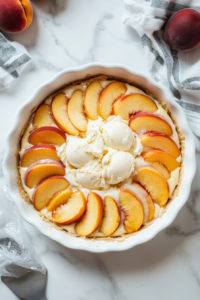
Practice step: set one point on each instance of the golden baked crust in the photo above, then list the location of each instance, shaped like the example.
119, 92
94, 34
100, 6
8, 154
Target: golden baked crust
89, 78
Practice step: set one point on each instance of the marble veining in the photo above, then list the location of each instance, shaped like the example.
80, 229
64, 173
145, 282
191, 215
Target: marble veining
192, 225
68, 33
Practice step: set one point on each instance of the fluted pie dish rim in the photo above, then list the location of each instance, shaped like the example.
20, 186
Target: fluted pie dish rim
96, 245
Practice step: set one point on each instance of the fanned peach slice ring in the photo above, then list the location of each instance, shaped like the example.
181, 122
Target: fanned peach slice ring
161, 157
145, 121
39, 171
47, 135
47, 189
92, 217
60, 115
72, 209
43, 117
146, 200
154, 183
100, 158
161, 142
111, 218
109, 95
38, 152
76, 112
162, 169
59, 199
128, 105
92, 95
132, 209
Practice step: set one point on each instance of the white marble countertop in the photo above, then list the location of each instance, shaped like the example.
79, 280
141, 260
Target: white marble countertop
68, 33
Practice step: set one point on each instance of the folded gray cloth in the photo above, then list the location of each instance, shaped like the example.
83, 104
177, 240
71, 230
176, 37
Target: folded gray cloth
13, 60
179, 71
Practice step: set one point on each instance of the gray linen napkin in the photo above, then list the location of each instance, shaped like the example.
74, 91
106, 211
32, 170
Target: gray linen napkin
180, 72
13, 60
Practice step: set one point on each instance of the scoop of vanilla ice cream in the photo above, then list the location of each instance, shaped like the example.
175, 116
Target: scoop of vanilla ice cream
76, 152
90, 176
100, 160
117, 166
94, 138
118, 135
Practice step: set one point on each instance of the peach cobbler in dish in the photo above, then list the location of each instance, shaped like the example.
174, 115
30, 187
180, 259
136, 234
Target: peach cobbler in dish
100, 158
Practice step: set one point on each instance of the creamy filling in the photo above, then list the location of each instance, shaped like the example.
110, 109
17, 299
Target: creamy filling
96, 169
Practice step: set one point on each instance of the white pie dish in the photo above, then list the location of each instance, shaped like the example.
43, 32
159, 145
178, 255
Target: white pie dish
62, 78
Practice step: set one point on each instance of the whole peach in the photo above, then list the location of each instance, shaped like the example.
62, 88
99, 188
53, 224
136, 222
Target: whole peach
182, 31
15, 15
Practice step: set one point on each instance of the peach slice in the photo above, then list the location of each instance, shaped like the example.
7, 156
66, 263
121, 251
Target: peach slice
161, 169
60, 115
91, 99
76, 111
161, 142
15, 15
111, 217
132, 209
59, 199
92, 217
145, 199
162, 157
38, 152
130, 104
145, 121
71, 211
111, 93
47, 189
47, 135
39, 171
154, 183
43, 117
